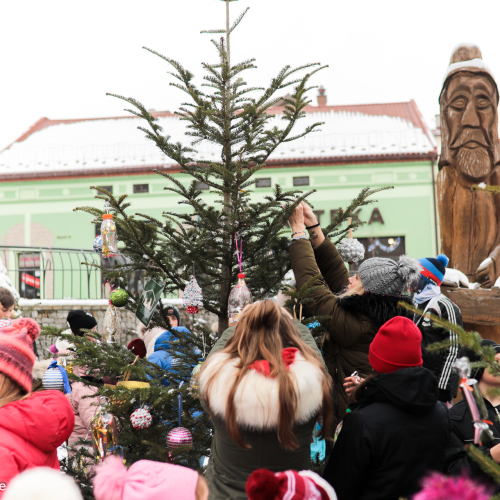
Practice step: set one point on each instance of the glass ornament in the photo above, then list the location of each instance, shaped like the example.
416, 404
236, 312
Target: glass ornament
108, 233
239, 298
103, 428
119, 297
180, 436
97, 246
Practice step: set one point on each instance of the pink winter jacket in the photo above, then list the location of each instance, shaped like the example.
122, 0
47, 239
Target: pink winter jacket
84, 408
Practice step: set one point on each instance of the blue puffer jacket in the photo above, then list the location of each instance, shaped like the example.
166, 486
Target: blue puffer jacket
162, 355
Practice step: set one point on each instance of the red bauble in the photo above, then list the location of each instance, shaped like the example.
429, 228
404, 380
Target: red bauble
192, 310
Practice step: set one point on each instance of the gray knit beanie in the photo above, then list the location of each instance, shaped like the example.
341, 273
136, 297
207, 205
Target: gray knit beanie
386, 276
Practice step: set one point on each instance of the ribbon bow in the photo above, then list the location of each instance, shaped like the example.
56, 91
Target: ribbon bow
67, 386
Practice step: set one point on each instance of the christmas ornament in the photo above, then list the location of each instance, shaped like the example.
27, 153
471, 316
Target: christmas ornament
108, 233
193, 383
192, 297
103, 428
179, 436
141, 418
98, 244
239, 298
351, 250
149, 300
5, 322
475, 402
137, 347
56, 378
119, 297
111, 327
240, 295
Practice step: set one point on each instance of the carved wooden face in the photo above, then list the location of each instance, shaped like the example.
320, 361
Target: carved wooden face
470, 115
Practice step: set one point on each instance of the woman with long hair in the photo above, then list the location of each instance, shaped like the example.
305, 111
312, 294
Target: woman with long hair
265, 391
32, 425
357, 306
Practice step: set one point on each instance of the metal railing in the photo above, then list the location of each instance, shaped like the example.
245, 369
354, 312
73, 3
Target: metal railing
53, 273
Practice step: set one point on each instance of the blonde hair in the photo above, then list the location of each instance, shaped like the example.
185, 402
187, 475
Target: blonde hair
9, 391
262, 332
357, 289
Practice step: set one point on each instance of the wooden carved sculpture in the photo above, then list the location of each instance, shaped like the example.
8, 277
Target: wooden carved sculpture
469, 219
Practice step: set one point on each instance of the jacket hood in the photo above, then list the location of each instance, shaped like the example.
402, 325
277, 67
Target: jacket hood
378, 308
163, 341
412, 389
45, 419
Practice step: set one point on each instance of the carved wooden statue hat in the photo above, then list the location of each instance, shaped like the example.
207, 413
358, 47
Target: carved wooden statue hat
467, 58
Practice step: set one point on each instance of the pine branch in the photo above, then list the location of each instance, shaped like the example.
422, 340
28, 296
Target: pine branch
487, 465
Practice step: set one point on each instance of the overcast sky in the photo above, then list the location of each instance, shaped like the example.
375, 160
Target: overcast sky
60, 57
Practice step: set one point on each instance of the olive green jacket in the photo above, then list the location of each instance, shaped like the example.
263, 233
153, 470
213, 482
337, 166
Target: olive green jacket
349, 333
230, 465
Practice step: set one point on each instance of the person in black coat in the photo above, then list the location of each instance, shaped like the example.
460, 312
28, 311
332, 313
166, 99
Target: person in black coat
398, 431
457, 460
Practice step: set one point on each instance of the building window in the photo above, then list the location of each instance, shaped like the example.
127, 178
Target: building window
391, 247
202, 185
301, 181
29, 275
263, 183
141, 188
109, 189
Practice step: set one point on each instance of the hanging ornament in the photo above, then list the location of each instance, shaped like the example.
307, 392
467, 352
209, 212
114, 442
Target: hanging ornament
108, 233
192, 297
98, 244
351, 249
180, 436
56, 378
111, 327
240, 295
141, 418
475, 402
193, 383
103, 427
119, 297
5, 322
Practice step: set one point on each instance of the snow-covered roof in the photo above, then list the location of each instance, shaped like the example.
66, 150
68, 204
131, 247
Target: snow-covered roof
114, 145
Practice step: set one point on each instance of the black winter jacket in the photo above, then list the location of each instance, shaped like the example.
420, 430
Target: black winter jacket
396, 434
441, 362
457, 459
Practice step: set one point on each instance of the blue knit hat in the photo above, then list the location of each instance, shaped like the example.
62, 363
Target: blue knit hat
433, 269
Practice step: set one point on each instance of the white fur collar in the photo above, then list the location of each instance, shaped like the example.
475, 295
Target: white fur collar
257, 400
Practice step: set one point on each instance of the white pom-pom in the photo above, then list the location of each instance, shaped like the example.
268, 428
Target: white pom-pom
141, 418
351, 250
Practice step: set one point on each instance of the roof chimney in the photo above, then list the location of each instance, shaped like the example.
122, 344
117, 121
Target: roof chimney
321, 97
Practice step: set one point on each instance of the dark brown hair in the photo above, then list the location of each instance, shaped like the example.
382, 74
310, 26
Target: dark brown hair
6, 298
262, 332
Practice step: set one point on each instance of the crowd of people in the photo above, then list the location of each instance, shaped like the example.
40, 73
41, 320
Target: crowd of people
380, 400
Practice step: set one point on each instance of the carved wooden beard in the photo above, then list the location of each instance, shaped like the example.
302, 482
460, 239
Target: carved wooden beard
473, 163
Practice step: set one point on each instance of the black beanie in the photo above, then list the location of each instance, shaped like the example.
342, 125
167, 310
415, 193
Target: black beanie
173, 311
80, 319
477, 373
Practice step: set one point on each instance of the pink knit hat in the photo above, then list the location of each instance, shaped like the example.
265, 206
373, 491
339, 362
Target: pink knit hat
16, 351
145, 480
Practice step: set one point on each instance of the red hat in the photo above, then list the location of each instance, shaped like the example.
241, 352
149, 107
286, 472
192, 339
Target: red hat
137, 347
264, 484
16, 351
397, 345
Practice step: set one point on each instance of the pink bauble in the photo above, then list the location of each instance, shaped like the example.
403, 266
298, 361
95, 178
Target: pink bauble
179, 437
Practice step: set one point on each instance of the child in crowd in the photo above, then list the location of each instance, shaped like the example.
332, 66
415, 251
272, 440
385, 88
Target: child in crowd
463, 426
430, 299
397, 431
7, 303
265, 391
42, 483
147, 480
32, 426
264, 484
82, 402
